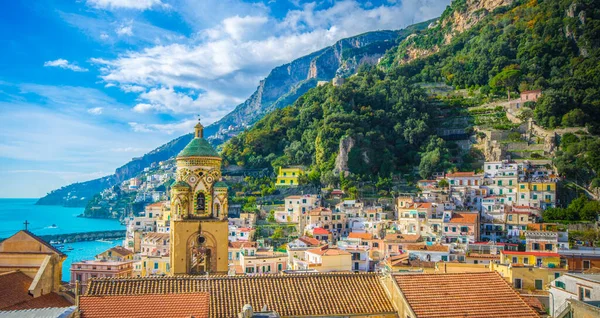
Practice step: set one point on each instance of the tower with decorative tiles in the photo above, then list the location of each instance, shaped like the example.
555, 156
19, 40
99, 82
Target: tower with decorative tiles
199, 227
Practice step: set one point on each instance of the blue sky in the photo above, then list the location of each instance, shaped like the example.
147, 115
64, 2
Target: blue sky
85, 85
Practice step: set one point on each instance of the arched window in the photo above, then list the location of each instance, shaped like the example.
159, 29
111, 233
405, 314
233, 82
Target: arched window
200, 203
217, 212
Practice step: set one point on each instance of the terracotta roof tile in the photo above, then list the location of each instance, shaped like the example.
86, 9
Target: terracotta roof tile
322, 294
310, 241
473, 295
464, 218
121, 250
430, 248
403, 238
461, 174
326, 251
547, 254
364, 236
146, 306
321, 231
14, 294
240, 244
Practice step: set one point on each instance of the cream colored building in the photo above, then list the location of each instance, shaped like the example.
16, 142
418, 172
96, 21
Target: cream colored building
325, 259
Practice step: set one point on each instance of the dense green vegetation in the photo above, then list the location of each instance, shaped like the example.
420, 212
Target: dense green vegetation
580, 209
550, 45
578, 158
387, 117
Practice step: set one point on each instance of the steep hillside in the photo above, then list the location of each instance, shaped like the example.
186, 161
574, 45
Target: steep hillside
287, 82
551, 45
78, 194
280, 88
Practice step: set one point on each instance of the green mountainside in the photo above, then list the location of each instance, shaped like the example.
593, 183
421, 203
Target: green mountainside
441, 83
280, 88
381, 122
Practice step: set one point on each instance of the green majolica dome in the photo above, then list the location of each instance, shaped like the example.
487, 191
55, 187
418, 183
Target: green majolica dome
220, 184
198, 147
180, 184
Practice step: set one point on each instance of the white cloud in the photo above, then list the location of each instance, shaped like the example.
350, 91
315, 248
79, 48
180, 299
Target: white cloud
227, 60
132, 88
182, 127
104, 36
125, 30
62, 63
125, 4
95, 111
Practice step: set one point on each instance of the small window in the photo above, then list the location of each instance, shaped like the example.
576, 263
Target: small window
518, 283
588, 293
586, 264
515, 260
539, 284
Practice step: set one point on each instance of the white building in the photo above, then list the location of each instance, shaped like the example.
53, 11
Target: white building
582, 287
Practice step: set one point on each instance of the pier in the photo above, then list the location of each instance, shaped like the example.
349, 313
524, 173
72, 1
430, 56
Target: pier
85, 236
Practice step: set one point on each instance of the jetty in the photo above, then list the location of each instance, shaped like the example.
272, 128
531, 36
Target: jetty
85, 236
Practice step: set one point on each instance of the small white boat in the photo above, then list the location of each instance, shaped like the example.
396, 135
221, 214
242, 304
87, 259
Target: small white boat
103, 241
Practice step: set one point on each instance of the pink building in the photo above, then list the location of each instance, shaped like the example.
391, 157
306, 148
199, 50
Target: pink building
462, 228
531, 96
85, 270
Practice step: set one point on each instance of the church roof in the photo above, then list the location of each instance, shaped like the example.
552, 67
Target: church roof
220, 184
198, 147
182, 184
298, 295
14, 294
47, 247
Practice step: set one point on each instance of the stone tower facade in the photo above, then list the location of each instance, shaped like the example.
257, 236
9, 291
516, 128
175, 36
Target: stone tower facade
199, 227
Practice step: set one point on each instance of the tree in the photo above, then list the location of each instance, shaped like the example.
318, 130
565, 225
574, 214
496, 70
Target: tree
507, 79
429, 163
443, 183
590, 211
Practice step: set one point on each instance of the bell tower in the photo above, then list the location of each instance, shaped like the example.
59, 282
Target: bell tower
199, 227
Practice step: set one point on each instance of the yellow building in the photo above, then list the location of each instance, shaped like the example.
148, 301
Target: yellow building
155, 265
288, 176
198, 213
325, 259
32, 256
539, 259
537, 194
528, 278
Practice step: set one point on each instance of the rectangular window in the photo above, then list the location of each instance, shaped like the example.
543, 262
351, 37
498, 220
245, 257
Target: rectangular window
515, 260
518, 283
499, 182
586, 264
588, 293
453, 229
155, 265
559, 284
556, 275
510, 182
279, 267
510, 217
534, 187
525, 260
539, 284
548, 247
522, 186
548, 188
444, 258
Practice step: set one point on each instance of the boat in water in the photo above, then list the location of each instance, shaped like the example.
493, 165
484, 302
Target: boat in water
104, 241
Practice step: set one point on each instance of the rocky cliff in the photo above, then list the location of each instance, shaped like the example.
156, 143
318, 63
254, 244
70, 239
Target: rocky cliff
281, 87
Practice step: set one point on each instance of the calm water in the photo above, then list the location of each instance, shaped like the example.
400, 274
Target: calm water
13, 212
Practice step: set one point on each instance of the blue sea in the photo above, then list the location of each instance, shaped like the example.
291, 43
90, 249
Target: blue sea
41, 218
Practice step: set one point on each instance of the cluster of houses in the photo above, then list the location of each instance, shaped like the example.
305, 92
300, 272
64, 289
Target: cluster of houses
458, 223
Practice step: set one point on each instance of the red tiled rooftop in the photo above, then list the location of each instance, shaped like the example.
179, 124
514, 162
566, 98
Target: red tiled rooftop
321, 231
473, 295
403, 238
146, 306
14, 294
461, 174
364, 236
326, 251
429, 248
310, 241
543, 254
239, 244
464, 218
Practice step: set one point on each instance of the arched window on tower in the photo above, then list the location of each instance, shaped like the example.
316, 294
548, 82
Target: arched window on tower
200, 203
217, 210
